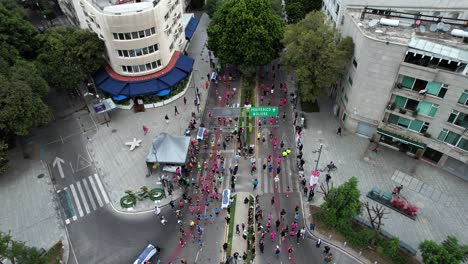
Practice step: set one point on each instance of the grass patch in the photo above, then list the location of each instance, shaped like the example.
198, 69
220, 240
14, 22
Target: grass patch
372, 254
231, 226
54, 255
310, 107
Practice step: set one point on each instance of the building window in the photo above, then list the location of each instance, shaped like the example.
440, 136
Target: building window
453, 139
153, 65
436, 89
463, 98
354, 63
350, 80
458, 119
400, 101
116, 36
138, 52
120, 53
134, 35
426, 108
142, 67
407, 82
158, 62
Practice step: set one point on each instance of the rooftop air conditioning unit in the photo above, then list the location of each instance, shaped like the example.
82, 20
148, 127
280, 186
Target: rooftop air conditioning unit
459, 33
389, 22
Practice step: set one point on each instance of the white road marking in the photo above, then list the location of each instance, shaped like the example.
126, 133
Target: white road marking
67, 221
77, 201
96, 193
90, 196
103, 192
83, 197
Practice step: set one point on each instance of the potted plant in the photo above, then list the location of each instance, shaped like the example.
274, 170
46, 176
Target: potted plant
402, 111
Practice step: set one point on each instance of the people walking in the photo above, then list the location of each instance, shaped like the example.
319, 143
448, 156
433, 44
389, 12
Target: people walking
327, 178
176, 112
167, 119
290, 251
185, 101
318, 243
338, 132
277, 251
254, 183
145, 130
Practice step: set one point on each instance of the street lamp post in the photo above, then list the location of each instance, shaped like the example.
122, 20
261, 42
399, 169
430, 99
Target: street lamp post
318, 159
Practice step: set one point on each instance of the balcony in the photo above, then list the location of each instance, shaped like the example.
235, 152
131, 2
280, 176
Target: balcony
432, 62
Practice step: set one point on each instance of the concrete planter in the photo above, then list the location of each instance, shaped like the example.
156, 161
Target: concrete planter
126, 107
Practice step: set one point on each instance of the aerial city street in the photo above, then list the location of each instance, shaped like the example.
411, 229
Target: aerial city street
233, 131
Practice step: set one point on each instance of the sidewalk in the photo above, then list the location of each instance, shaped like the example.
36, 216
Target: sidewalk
123, 170
439, 195
239, 244
29, 212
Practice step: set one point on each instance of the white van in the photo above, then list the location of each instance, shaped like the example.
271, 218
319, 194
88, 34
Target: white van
146, 255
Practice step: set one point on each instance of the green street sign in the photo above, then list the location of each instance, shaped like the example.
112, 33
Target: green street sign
262, 111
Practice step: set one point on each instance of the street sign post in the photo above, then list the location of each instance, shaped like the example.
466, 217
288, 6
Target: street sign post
263, 111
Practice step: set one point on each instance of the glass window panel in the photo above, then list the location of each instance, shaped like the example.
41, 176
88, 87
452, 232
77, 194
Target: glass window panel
128, 36
452, 138
129, 68
404, 122
120, 53
463, 144
434, 109
125, 53
135, 69
134, 35
151, 49
452, 116
142, 68
148, 66
462, 120
124, 68
131, 53
464, 98
156, 47
153, 30
392, 119
145, 51
442, 135
158, 62
425, 127
121, 36
138, 52
116, 36
141, 33
153, 64
148, 32
433, 88
416, 125
424, 108
400, 101
407, 82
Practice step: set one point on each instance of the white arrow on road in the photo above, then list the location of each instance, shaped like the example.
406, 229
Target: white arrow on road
58, 162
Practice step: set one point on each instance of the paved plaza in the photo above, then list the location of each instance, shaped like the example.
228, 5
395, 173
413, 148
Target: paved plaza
439, 194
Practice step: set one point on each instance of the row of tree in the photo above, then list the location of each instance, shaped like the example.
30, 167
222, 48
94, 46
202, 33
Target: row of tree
32, 63
343, 203
17, 252
249, 33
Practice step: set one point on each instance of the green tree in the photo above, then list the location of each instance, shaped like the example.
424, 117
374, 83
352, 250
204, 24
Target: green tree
3, 161
277, 7
211, 7
317, 54
246, 33
17, 252
298, 9
20, 108
450, 251
197, 4
68, 56
17, 35
27, 72
342, 203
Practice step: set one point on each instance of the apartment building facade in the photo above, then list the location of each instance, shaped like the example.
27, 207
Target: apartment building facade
407, 85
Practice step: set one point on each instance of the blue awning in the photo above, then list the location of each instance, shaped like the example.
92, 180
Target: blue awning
163, 92
184, 63
121, 89
191, 27
119, 97
112, 86
173, 77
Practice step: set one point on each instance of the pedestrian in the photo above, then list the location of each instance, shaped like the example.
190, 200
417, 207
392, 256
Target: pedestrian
399, 188
327, 250
273, 236
272, 201
224, 145
338, 132
296, 216
216, 211
278, 223
225, 246
277, 251
172, 204
318, 243
290, 251
284, 116
264, 166
176, 112
185, 101
212, 219
207, 84
181, 242
228, 219
244, 256
145, 130
298, 235
244, 234
163, 220
288, 190
282, 213
183, 261
237, 229
254, 183
157, 210
270, 168
327, 178
236, 257
167, 119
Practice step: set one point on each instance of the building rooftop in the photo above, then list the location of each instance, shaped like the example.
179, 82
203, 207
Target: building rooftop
434, 33
123, 6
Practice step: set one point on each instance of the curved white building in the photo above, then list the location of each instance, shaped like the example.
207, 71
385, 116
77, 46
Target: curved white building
143, 38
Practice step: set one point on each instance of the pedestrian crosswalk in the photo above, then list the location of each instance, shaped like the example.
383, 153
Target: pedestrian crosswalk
82, 198
265, 179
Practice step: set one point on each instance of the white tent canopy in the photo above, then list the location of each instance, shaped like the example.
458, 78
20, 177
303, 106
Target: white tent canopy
168, 149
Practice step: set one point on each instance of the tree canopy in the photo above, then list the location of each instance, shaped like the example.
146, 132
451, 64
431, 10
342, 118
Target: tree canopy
342, 203
298, 9
246, 33
450, 251
17, 252
317, 53
68, 56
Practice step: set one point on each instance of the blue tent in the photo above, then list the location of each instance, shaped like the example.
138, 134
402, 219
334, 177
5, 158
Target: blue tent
191, 27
